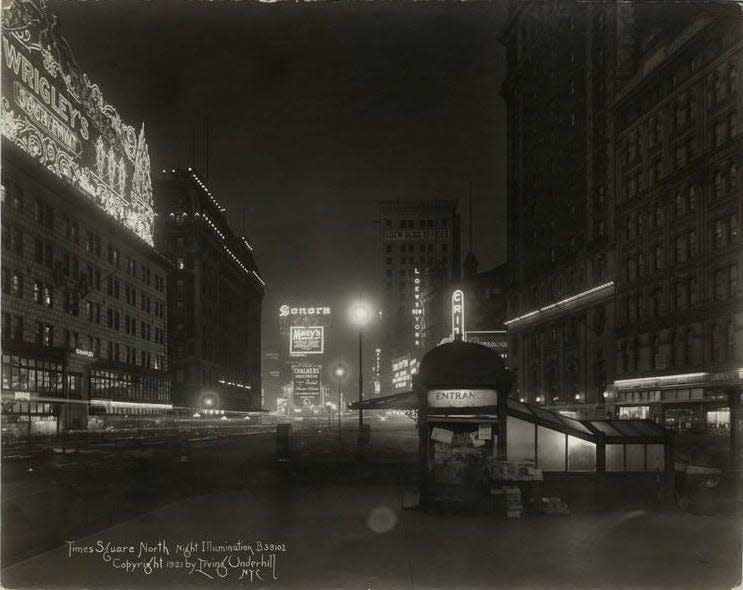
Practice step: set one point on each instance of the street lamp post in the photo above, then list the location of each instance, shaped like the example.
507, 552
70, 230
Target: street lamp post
360, 316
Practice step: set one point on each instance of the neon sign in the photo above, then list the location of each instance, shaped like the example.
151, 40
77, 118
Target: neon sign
417, 309
457, 313
53, 113
285, 311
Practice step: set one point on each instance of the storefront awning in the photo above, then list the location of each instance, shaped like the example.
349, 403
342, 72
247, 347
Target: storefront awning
397, 401
608, 430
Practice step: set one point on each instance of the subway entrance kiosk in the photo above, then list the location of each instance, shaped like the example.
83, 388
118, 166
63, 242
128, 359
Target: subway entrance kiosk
475, 442
460, 388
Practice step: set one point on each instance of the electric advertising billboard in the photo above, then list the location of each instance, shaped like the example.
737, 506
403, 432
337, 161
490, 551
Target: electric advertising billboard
305, 340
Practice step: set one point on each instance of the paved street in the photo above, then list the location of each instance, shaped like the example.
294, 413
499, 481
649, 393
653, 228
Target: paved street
334, 521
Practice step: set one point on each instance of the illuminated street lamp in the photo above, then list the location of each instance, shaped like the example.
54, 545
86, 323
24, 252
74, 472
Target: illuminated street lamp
340, 372
360, 316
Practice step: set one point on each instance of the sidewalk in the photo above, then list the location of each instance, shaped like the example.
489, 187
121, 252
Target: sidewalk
350, 537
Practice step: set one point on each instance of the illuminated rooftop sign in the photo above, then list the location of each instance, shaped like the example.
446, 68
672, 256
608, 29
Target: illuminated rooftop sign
417, 235
285, 311
306, 340
58, 117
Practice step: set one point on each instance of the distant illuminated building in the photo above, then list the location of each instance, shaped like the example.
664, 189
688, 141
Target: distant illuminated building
418, 240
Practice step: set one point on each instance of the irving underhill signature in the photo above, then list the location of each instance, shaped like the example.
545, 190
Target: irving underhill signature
249, 562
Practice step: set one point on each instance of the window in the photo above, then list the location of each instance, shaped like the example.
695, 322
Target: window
659, 257
581, 454
717, 343
733, 279
680, 289
692, 243
551, 449
721, 284
45, 334
730, 340
12, 283
680, 204
681, 249
719, 184
630, 227
658, 308
680, 155
720, 132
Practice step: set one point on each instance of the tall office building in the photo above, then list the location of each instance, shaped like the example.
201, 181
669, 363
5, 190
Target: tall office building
418, 240
84, 316
215, 299
558, 89
679, 153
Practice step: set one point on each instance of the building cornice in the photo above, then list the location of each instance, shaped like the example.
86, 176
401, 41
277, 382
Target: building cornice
569, 303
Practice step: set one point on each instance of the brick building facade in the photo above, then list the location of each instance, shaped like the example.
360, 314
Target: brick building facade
215, 299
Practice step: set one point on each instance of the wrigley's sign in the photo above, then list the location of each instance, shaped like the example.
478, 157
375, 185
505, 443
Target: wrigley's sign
59, 118
461, 398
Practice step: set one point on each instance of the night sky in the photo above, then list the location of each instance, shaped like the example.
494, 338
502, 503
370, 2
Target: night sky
317, 111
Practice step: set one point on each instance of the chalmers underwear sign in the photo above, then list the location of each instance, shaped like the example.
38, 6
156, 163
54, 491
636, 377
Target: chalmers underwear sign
462, 398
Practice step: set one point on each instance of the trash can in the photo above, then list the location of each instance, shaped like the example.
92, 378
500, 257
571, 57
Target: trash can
283, 432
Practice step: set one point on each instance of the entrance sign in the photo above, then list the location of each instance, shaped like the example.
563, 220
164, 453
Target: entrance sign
58, 117
457, 313
462, 398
